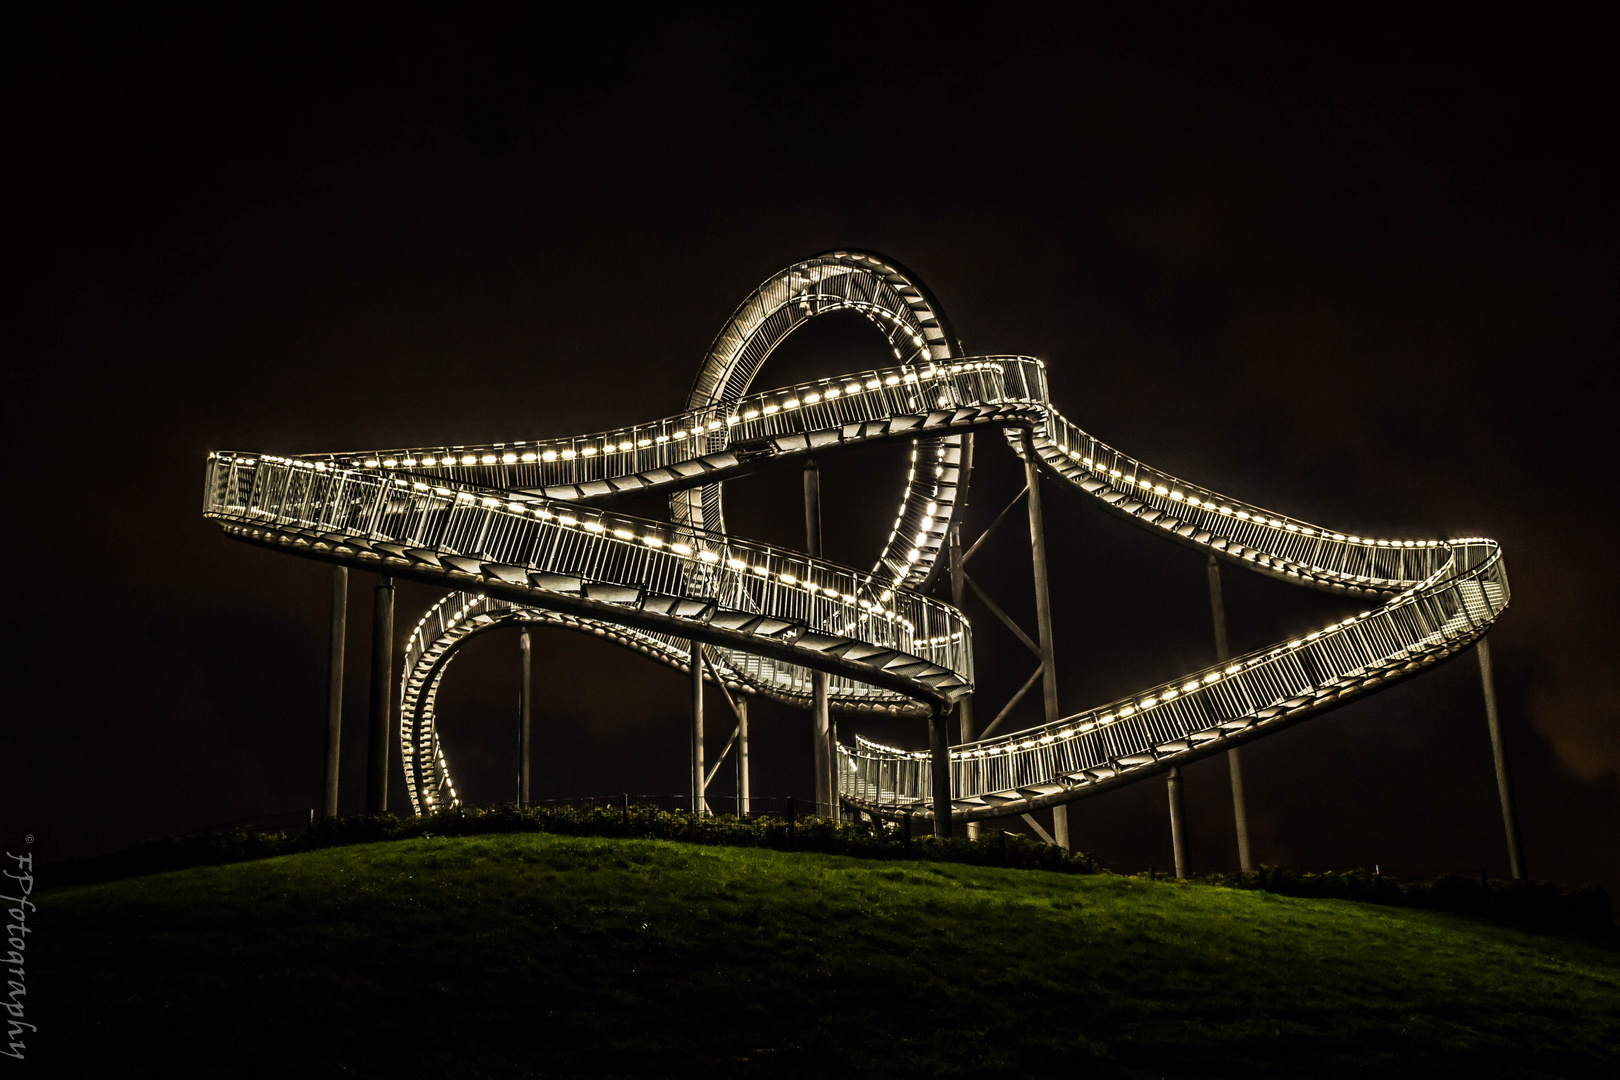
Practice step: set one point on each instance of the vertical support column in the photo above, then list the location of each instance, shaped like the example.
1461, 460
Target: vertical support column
334, 689
964, 707
700, 805
821, 732
1178, 825
382, 677
820, 713
939, 764
524, 705
1504, 785
742, 755
1234, 763
1043, 617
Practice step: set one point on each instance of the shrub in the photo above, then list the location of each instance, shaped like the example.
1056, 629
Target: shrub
594, 819
1539, 904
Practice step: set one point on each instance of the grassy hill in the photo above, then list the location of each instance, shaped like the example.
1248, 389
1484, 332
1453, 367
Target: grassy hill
537, 954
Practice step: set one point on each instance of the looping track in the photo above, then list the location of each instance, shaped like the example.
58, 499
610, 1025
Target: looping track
519, 532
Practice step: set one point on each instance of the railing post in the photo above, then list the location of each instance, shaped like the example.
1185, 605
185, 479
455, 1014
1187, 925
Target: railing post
382, 672
334, 689
939, 754
1234, 763
699, 803
1504, 785
525, 702
1043, 616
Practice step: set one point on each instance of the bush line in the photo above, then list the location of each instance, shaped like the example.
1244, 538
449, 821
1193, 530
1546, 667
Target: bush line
1537, 904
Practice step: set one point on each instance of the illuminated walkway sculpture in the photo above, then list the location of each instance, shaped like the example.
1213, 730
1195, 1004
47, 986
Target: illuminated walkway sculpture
519, 531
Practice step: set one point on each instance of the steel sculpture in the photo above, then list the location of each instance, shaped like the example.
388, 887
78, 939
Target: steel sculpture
521, 534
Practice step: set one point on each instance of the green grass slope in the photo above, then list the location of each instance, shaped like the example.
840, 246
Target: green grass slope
538, 954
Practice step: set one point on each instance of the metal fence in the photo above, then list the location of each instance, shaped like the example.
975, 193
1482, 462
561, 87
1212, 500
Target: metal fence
1178, 718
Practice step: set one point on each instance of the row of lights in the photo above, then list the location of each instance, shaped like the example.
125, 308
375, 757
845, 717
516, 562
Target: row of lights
853, 387
682, 549
1149, 486
657, 542
1140, 705
865, 307
850, 389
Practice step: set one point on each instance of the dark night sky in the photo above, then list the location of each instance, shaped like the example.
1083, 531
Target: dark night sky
1360, 271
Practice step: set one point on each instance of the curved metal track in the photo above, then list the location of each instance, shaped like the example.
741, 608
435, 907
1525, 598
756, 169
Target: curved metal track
518, 532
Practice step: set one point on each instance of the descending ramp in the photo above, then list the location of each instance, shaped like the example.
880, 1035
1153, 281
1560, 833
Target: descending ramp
522, 532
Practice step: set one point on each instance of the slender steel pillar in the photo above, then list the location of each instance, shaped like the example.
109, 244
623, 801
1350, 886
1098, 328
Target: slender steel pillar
812, 509
820, 714
1504, 784
700, 804
382, 677
742, 755
524, 704
334, 689
1178, 824
821, 725
964, 707
939, 761
1043, 617
1234, 763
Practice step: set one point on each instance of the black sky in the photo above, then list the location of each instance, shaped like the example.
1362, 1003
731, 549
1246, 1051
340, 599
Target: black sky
1361, 270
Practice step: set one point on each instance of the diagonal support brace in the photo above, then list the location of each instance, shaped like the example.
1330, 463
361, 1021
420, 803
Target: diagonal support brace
1013, 702
986, 534
1029, 642
1040, 832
